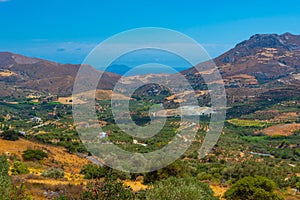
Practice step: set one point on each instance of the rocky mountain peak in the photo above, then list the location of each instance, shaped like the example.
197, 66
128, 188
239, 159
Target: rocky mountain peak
286, 41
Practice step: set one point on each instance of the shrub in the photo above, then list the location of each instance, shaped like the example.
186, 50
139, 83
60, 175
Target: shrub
10, 135
8, 191
177, 169
91, 171
180, 189
19, 168
54, 173
36, 154
298, 186
62, 198
251, 168
108, 189
257, 187
20, 192
5, 181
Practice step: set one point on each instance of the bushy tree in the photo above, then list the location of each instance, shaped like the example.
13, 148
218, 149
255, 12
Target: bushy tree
257, 187
251, 168
54, 173
34, 154
8, 191
91, 171
107, 190
180, 189
298, 186
5, 181
177, 169
19, 168
20, 192
10, 135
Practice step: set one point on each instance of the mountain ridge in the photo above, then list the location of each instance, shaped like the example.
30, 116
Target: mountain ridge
19, 73
256, 66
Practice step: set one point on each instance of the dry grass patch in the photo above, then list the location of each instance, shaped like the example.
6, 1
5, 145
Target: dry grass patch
54, 182
218, 190
135, 185
58, 156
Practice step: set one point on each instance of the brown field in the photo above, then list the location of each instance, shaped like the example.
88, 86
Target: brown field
69, 100
297, 76
145, 78
281, 129
285, 117
109, 94
101, 95
7, 73
243, 78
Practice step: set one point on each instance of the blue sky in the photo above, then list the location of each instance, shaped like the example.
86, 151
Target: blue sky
65, 31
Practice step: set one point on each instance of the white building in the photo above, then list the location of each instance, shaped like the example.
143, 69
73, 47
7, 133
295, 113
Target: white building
102, 135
